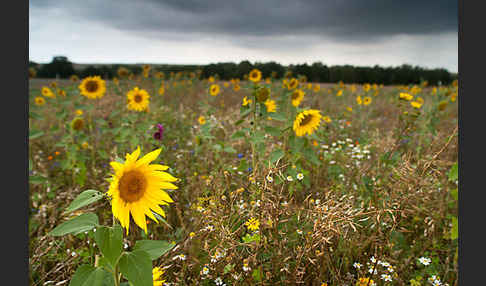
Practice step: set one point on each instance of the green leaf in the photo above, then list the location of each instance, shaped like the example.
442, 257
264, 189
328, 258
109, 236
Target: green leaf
455, 228
85, 198
275, 155
155, 248
229, 149
277, 116
238, 135
110, 242
228, 268
454, 194
37, 179
274, 131
136, 266
453, 173
257, 137
76, 225
257, 276
87, 275
35, 134
30, 164
34, 115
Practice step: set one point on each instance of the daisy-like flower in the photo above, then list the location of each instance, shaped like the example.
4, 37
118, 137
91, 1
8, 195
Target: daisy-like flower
246, 268
214, 89
93, 87
47, 92
299, 231
307, 122
357, 265
424, 260
181, 257
289, 178
39, 101
138, 99
255, 75
137, 188
269, 178
236, 87
271, 105
372, 259
297, 97
157, 273
253, 224
201, 120
219, 282
300, 176
205, 270
386, 277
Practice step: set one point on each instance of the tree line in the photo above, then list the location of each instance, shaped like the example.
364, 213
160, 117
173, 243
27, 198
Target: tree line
61, 67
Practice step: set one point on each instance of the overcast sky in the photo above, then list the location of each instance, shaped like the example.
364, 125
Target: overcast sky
335, 32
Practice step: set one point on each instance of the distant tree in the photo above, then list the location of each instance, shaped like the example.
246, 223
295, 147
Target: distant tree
60, 66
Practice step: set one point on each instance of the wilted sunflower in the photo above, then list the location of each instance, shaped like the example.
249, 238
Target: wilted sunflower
297, 96
307, 122
255, 75
122, 72
77, 123
136, 188
366, 100
271, 105
201, 120
93, 87
262, 94
39, 100
214, 89
47, 92
32, 72
138, 99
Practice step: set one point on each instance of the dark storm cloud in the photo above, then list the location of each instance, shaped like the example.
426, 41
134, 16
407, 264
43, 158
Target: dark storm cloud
343, 20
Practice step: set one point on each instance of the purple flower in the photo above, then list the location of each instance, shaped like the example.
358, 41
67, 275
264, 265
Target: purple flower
158, 135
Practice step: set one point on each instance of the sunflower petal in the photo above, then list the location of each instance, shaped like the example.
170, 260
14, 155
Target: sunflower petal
145, 160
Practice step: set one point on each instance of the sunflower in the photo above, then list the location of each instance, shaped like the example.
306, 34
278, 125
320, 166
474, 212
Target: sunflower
214, 89
39, 100
53, 84
309, 86
307, 122
157, 273
365, 282
201, 120
122, 72
339, 93
416, 104
47, 92
138, 99
255, 75
268, 80
79, 112
297, 96
419, 100
366, 100
74, 78
211, 79
262, 94
161, 89
32, 72
246, 101
367, 87
293, 83
77, 123
271, 106
327, 119
406, 96
136, 188
359, 100
236, 87
116, 81
317, 88
93, 87
61, 92
453, 97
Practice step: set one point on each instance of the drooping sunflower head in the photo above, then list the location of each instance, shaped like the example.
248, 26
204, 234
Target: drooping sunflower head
263, 94
271, 105
214, 89
138, 99
255, 75
297, 97
39, 101
123, 72
307, 122
77, 123
137, 189
47, 92
93, 87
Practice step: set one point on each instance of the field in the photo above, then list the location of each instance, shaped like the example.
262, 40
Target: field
268, 182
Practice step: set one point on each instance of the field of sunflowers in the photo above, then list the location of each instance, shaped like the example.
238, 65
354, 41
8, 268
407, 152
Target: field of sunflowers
174, 179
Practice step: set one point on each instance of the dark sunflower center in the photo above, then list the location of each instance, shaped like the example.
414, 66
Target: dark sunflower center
307, 118
132, 186
91, 86
295, 95
78, 124
138, 98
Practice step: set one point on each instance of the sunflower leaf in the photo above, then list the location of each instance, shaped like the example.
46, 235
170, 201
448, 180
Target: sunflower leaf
88, 275
85, 198
76, 225
110, 242
136, 266
155, 248
35, 134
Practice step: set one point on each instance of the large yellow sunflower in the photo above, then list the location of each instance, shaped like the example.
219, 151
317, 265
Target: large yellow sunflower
255, 75
307, 122
39, 100
93, 87
138, 99
137, 188
271, 105
214, 89
293, 83
297, 96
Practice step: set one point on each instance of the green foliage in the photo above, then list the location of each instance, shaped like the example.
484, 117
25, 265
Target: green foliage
85, 198
81, 223
136, 266
155, 248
